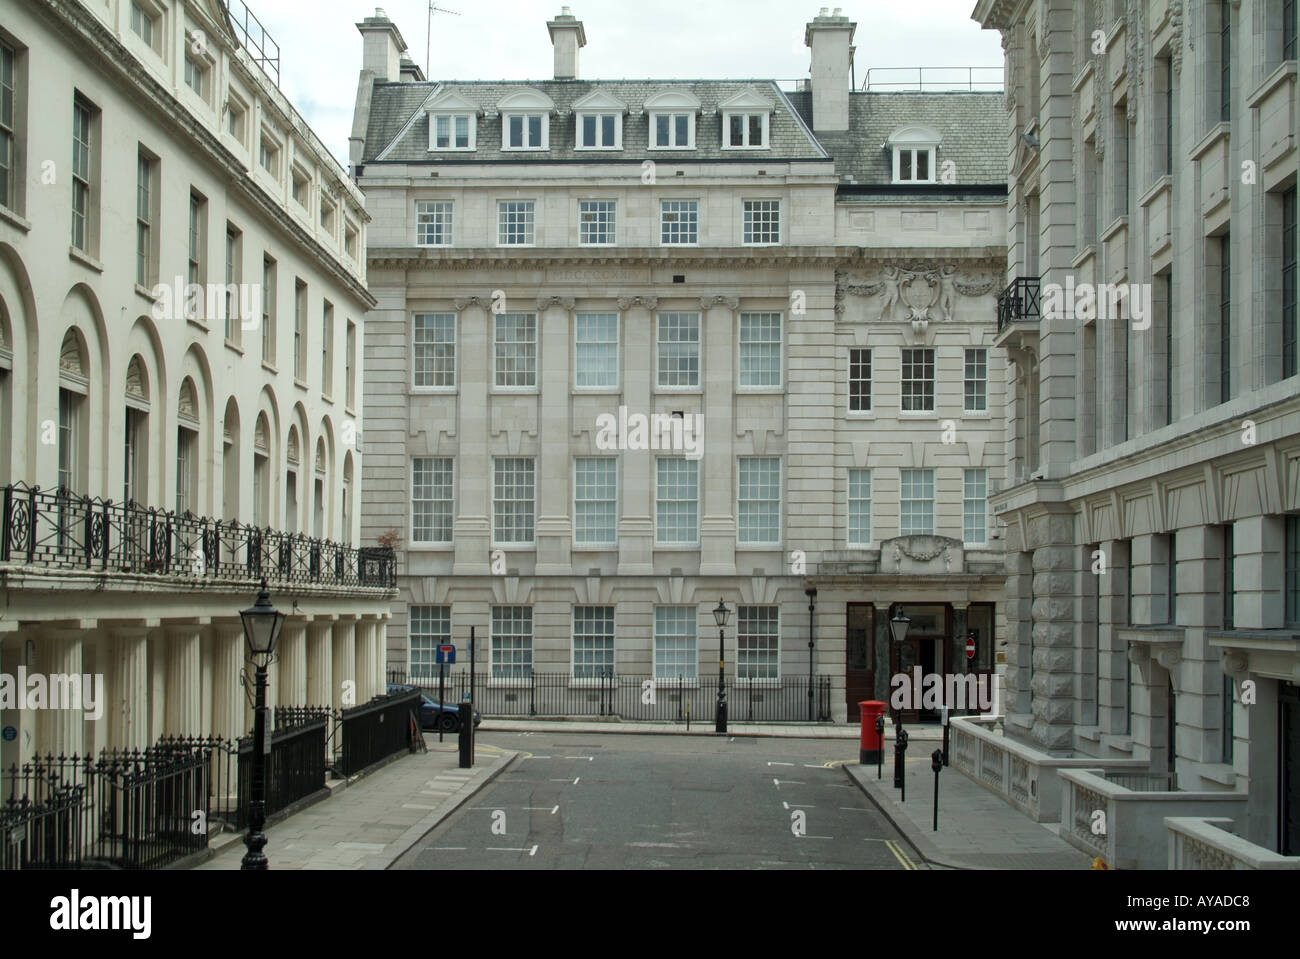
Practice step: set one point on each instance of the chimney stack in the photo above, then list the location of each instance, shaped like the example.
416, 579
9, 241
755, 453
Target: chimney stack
830, 36
383, 46
568, 37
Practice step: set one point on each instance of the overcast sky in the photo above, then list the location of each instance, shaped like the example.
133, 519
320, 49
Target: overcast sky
320, 48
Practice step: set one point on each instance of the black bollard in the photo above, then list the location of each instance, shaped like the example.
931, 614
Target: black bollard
880, 742
936, 763
466, 736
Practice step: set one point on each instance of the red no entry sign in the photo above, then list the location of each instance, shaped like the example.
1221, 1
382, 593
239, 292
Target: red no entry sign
970, 647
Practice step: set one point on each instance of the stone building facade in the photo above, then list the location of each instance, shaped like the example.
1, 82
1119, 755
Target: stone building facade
182, 299
798, 283
1153, 508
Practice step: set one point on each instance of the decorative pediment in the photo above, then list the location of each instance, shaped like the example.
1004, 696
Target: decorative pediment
447, 100
527, 100
71, 359
600, 100
916, 291
915, 135
291, 448
747, 99
260, 441
320, 456
915, 554
672, 101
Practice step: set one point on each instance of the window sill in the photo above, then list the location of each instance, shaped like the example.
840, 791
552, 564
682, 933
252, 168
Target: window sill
514, 391
917, 415
514, 547
768, 243
760, 390
300, 384
326, 398
860, 415
976, 415
594, 547
144, 291
14, 219
85, 259
672, 246
680, 390
677, 547
350, 411
193, 321
234, 347
414, 547
756, 547
432, 390
270, 368
516, 246
597, 390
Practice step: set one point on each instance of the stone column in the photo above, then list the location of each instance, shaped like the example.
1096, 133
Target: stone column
1054, 627
184, 681
381, 657
1198, 679
128, 689
636, 491
344, 662
320, 677
1148, 603
227, 692
293, 664
1259, 542
59, 731
718, 319
1112, 614
554, 531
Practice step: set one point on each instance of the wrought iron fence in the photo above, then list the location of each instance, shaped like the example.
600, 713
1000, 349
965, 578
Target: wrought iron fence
376, 730
1021, 301
636, 698
65, 530
124, 810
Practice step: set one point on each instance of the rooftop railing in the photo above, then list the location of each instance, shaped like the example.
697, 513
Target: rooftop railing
933, 79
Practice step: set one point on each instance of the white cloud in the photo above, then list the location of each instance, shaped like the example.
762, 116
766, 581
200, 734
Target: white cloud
626, 39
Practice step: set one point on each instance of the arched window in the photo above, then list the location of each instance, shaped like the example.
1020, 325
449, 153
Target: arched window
135, 478
291, 457
346, 535
318, 491
230, 462
187, 449
6, 395
261, 472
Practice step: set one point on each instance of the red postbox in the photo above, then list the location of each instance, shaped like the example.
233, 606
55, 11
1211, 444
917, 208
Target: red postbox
872, 742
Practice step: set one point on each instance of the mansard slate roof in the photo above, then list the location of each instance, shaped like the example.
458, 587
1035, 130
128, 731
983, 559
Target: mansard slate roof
393, 105
972, 126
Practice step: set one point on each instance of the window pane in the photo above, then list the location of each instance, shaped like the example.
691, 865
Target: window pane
593, 642
756, 129
679, 221
607, 130
596, 222
977, 381
516, 349
534, 131
430, 626
905, 164
762, 221
431, 499
435, 349
757, 642
433, 222
512, 499
760, 349
859, 381
677, 494
516, 131
676, 651
462, 132
975, 507
595, 500
759, 507
918, 380
442, 132
923, 164
916, 503
682, 121
512, 642
679, 349
859, 507
596, 349
661, 130
515, 222
737, 130
589, 131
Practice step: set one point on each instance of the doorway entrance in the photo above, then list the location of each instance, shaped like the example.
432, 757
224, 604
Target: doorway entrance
1288, 779
859, 658
926, 646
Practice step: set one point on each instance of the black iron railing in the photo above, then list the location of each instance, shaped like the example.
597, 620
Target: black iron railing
65, 530
376, 730
295, 770
635, 698
1020, 302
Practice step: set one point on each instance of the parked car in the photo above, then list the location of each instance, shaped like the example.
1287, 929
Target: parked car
435, 715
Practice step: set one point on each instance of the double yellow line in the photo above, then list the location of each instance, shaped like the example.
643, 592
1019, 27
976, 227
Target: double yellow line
900, 854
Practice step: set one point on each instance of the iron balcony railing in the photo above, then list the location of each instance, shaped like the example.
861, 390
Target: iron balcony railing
64, 530
1020, 302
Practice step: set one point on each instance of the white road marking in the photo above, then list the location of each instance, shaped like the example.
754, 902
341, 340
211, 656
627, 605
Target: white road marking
450, 848
508, 849
536, 757
816, 837
588, 758
854, 808
575, 780
559, 780
556, 809
533, 851
813, 766
795, 805
780, 764
789, 782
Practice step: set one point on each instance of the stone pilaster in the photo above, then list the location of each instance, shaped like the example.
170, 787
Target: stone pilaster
554, 531
60, 731
320, 673
1259, 541
1053, 613
473, 523
293, 663
344, 668
718, 323
1112, 614
636, 492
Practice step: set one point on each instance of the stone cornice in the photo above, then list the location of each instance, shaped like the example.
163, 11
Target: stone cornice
84, 29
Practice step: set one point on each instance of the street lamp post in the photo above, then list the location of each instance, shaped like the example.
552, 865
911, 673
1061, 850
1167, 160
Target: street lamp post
898, 624
720, 715
262, 624
811, 593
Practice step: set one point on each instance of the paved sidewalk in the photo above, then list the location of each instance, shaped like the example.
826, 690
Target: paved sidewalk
928, 733
369, 822
977, 830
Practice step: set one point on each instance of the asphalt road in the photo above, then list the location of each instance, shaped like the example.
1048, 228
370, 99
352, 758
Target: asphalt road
582, 800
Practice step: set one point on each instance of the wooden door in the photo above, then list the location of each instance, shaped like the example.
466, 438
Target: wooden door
859, 657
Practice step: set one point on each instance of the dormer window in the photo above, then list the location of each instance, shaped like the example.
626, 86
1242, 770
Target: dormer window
745, 121
453, 121
913, 152
672, 120
598, 121
451, 131
526, 120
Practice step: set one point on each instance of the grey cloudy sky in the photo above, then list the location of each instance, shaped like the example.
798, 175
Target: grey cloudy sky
507, 40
